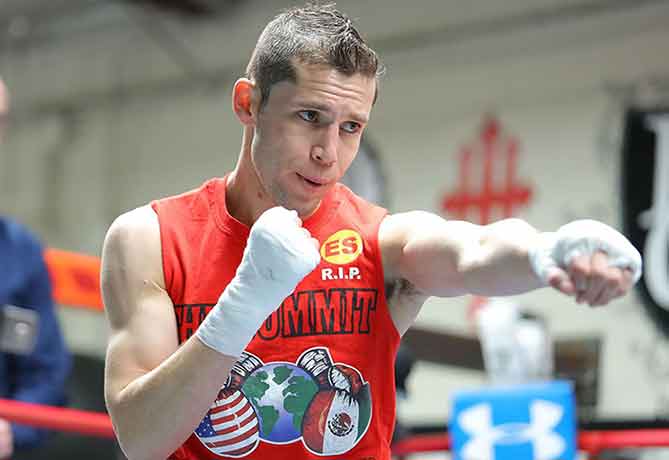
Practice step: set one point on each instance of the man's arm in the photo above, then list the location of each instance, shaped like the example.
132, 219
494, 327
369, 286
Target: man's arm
451, 258
156, 392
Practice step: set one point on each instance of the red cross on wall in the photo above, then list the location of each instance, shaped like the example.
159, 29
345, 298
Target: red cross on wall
494, 193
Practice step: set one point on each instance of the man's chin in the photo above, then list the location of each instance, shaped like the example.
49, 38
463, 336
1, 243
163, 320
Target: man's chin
304, 209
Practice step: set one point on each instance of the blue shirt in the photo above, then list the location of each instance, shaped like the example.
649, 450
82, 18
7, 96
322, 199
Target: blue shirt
38, 377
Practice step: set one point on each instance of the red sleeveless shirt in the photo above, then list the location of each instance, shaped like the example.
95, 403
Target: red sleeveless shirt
317, 380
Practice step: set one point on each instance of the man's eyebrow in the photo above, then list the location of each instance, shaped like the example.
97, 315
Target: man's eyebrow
314, 105
358, 117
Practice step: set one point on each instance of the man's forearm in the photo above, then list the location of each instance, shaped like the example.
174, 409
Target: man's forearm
155, 413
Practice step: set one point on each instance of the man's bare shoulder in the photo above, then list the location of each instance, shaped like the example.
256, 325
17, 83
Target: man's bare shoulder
132, 259
134, 228
142, 221
134, 234
394, 233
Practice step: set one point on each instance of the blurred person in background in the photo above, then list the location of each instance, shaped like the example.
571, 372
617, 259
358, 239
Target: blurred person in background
249, 318
37, 372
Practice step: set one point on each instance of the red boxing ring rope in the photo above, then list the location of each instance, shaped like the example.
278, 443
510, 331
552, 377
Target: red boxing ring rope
56, 418
75, 278
592, 442
596, 441
99, 424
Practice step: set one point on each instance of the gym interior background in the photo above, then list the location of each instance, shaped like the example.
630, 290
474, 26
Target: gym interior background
119, 102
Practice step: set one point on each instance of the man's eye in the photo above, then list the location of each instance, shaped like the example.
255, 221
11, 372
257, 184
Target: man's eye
351, 127
309, 115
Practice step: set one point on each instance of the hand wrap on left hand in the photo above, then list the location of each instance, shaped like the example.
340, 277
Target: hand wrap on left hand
583, 237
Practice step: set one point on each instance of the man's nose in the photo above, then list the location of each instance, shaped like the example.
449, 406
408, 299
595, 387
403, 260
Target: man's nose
325, 150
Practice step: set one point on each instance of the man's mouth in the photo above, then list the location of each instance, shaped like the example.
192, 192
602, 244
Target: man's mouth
313, 181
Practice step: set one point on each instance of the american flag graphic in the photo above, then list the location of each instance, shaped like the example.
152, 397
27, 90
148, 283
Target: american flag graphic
230, 428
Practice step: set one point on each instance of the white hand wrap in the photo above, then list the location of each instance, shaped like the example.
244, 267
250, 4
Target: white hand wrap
279, 254
583, 237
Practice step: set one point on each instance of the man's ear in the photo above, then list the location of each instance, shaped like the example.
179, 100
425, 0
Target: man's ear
244, 102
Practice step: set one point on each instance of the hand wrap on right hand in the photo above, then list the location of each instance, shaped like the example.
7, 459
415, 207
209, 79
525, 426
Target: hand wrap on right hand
279, 254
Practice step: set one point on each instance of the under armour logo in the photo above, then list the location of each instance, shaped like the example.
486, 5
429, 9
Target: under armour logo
544, 417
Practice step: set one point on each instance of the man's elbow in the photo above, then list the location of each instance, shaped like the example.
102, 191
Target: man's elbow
128, 430
136, 436
137, 451
135, 446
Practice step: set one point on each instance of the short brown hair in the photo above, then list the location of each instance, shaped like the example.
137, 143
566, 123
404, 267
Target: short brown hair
313, 35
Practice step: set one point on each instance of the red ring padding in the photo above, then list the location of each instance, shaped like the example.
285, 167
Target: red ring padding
592, 442
57, 418
75, 278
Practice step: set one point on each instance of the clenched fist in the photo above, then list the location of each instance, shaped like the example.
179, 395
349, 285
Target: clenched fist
279, 254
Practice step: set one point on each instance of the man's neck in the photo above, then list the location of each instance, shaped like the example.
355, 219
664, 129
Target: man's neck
245, 197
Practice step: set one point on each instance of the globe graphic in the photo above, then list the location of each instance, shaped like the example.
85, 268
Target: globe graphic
280, 394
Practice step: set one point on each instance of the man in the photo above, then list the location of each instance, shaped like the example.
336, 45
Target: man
284, 338
37, 376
